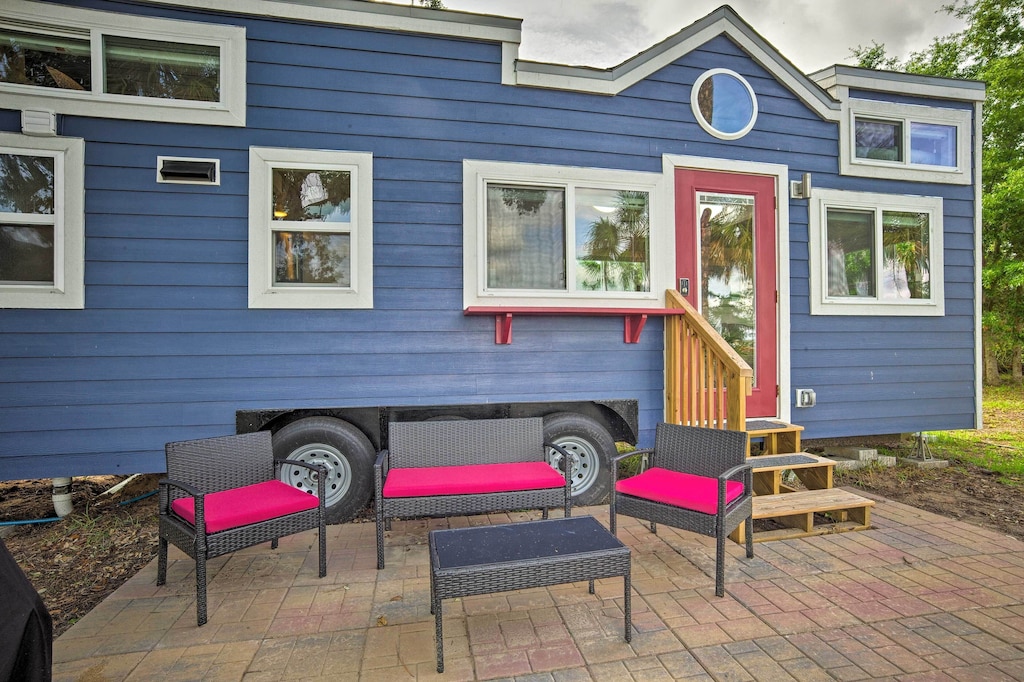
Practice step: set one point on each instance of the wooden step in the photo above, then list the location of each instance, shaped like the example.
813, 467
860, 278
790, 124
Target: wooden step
813, 471
796, 511
779, 436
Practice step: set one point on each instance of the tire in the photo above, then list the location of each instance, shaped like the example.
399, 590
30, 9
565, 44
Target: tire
340, 447
592, 448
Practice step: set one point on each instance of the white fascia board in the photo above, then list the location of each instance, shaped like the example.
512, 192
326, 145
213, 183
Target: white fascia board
387, 17
894, 82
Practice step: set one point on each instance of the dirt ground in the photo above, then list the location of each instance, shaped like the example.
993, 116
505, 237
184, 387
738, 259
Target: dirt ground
76, 562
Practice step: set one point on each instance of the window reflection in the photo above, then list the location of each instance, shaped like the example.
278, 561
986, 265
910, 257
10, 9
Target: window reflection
612, 240
724, 104
45, 61
151, 68
525, 237
312, 258
727, 269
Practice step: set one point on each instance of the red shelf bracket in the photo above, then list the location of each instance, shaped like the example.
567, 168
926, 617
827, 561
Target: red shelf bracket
633, 325
503, 329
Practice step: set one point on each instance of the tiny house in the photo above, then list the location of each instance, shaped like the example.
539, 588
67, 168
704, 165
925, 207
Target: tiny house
317, 217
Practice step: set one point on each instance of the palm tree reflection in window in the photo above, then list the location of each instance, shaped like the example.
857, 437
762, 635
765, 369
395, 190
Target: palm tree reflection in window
313, 256
727, 269
613, 246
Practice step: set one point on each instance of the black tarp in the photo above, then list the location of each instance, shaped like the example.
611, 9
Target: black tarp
26, 629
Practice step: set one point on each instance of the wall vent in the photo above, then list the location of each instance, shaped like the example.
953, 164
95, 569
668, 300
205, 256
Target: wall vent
187, 171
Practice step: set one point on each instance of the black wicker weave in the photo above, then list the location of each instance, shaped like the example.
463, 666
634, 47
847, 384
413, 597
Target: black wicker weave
712, 453
461, 442
199, 467
516, 556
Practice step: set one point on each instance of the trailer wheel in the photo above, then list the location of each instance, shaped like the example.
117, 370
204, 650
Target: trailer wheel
591, 447
340, 447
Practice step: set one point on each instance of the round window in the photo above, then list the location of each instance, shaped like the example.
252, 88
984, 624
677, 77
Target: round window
724, 104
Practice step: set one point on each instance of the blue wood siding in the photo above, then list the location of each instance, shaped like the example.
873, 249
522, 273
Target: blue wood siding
166, 348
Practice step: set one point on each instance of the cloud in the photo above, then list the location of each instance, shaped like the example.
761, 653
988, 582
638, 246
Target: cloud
811, 33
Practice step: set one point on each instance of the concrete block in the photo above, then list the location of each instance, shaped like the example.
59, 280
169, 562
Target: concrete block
860, 454
924, 463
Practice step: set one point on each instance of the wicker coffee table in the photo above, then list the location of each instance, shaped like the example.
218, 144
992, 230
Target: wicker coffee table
485, 559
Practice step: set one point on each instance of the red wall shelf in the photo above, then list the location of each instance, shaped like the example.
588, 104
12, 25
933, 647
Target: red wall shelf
633, 319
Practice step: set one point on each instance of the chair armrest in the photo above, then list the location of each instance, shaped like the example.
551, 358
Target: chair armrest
729, 473
748, 484
617, 458
172, 483
319, 469
566, 473
613, 465
198, 497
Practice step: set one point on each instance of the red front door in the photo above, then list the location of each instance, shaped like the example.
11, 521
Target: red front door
726, 258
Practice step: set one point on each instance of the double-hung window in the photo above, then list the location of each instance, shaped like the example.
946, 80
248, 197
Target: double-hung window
875, 254
42, 222
906, 142
558, 236
79, 61
310, 229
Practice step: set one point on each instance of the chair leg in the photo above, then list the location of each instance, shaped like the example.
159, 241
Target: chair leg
380, 540
750, 536
322, 533
201, 589
720, 564
654, 527
273, 544
544, 513
161, 562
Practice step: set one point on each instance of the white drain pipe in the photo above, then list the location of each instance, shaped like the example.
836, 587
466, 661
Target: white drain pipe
62, 496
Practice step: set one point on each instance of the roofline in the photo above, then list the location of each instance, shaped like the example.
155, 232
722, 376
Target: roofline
370, 15
723, 21
856, 77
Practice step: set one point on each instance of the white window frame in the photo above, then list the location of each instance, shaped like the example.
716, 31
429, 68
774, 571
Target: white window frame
478, 174
905, 114
262, 292
94, 25
68, 289
822, 304
706, 124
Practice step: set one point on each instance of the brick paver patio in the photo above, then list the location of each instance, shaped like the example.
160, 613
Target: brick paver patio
917, 597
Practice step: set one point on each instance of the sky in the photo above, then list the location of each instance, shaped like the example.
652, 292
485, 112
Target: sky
813, 34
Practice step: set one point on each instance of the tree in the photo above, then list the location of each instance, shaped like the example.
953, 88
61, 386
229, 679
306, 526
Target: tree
990, 49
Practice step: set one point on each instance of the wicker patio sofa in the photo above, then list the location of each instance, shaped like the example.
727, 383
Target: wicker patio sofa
465, 466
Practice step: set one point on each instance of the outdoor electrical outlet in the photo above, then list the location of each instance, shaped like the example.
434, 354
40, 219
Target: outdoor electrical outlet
805, 397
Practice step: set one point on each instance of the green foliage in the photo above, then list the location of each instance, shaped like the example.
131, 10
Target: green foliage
991, 49
998, 447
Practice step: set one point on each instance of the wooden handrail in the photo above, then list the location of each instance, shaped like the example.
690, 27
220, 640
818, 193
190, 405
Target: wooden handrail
706, 380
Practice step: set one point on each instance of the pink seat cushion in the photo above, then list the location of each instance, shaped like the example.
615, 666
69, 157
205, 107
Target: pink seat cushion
471, 478
246, 505
687, 491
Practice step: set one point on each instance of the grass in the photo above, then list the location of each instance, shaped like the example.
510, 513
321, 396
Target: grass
997, 447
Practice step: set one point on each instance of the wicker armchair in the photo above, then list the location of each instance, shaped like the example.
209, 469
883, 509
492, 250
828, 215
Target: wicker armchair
222, 495
698, 480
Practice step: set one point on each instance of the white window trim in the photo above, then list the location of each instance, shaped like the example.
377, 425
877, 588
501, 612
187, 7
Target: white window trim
850, 164
704, 123
476, 176
822, 304
230, 111
68, 289
262, 293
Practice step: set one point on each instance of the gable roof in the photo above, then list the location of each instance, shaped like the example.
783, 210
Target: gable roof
723, 21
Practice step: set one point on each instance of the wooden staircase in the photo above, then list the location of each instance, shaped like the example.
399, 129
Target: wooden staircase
774, 449
706, 384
